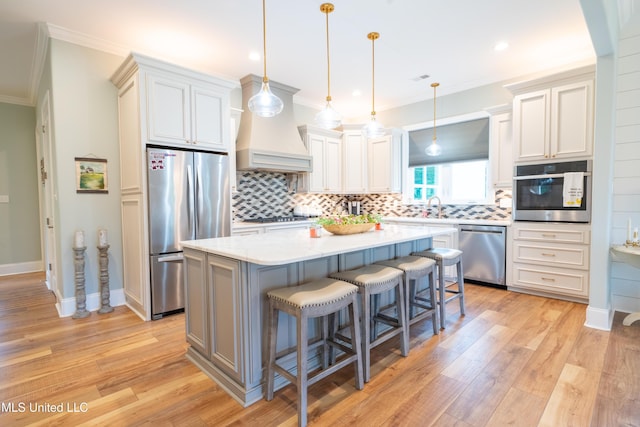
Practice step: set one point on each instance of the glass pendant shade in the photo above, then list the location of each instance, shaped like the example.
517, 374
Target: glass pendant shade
265, 103
433, 149
374, 128
328, 118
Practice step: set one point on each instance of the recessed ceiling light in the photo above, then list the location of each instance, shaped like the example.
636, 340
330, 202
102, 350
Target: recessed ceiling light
254, 56
500, 46
356, 92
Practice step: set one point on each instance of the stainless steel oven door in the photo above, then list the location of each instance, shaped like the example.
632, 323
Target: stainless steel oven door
539, 198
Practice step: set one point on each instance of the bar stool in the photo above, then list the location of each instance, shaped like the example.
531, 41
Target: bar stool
373, 280
319, 298
414, 269
445, 257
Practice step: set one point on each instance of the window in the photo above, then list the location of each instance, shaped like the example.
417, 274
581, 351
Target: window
456, 183
460, 175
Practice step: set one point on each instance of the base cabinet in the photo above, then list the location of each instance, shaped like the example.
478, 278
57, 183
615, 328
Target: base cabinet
551, 259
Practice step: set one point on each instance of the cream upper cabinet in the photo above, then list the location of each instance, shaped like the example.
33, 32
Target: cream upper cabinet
354, 161
553, 117
325, 148
501, 146
383, 165
185, 113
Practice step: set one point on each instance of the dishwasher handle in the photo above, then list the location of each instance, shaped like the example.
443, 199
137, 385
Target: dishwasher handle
481, 229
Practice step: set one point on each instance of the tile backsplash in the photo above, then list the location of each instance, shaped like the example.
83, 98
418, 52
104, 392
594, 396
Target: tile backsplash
265, 194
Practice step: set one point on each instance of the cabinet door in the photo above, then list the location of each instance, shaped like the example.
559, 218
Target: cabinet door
502, 150
207, 118
196, 301
168, 109
225, 302
315, 144
333, 165
380, 165
531, 115
572, 124
354, 160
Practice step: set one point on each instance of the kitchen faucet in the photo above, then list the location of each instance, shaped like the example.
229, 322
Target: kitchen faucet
439, 205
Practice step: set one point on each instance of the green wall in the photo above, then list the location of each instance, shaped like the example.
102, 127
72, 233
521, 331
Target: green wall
19, 223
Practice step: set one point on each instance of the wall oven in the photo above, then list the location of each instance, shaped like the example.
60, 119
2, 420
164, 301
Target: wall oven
538, 192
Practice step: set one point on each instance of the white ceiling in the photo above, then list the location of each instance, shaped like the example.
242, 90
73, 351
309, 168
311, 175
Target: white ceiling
452, 41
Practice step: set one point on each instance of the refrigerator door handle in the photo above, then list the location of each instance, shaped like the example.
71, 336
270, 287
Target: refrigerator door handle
190, 201
171, 258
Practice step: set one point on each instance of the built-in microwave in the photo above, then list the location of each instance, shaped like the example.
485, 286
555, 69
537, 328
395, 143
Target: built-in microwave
538, 191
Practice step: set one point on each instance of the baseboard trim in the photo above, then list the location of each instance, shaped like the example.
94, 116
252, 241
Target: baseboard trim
67, 306
599, 318
21, 268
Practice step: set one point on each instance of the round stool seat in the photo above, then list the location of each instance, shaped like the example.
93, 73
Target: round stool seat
320, 292
444, 254
413, 265
378, 276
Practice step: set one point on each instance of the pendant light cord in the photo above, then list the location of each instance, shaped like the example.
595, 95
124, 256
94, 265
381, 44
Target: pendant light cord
434, 85
265, 79
373, 36
327, 8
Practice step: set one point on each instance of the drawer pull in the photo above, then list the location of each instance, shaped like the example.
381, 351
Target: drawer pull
548, 254
548, 279
548, 235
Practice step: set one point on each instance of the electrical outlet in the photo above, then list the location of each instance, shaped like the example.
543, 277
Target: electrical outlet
4, 198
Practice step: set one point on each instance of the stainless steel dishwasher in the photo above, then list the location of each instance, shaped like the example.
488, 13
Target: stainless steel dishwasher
483, 257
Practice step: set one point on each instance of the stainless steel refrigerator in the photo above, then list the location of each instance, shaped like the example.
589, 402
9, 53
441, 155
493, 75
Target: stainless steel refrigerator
189, 199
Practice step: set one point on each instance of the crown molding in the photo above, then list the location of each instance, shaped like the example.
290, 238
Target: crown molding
75, 37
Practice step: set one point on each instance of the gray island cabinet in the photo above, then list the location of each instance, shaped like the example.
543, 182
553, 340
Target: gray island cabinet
227, 278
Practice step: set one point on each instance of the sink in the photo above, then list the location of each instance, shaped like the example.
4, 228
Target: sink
627, 254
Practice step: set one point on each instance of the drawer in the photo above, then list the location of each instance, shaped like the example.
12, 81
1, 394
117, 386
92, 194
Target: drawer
549, 233
552, 280
555, 255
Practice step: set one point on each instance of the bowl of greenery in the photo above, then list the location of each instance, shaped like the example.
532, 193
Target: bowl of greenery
348, 224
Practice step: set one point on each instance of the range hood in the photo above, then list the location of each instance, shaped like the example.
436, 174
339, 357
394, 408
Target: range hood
273, 143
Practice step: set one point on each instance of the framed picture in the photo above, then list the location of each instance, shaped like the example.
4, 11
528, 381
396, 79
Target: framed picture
91, 175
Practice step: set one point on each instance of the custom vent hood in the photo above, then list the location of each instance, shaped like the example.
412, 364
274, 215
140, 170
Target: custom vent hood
270, 143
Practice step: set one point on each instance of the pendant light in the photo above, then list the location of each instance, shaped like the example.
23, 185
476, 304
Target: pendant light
265, 103
373, 128
328, 118
434, 149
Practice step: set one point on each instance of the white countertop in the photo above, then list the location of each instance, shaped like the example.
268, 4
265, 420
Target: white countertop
444, 221
289, 246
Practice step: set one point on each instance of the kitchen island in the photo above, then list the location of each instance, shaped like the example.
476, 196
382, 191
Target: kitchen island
227, 278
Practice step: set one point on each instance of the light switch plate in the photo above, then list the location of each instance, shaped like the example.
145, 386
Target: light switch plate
4, 198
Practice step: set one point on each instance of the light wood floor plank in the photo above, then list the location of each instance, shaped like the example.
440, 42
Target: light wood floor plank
572, 399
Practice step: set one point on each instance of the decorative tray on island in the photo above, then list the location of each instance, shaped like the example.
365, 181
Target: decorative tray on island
348, 224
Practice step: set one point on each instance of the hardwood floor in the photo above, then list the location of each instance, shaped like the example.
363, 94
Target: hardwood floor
514, 359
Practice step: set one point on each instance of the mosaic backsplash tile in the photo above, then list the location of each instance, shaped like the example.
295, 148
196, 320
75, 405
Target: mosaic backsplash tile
265, 194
